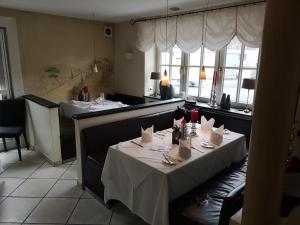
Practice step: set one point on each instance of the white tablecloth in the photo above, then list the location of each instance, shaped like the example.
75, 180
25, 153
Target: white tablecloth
77, 107
137, 177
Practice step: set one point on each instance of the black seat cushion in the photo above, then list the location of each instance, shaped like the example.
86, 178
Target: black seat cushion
203, 205
10, 132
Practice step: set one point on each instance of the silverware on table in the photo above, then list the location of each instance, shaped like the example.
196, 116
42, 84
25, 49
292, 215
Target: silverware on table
197, 149
169, 160
133, 142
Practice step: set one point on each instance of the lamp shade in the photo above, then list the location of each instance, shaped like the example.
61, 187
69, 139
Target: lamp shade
202, 74
155, 76
248, 83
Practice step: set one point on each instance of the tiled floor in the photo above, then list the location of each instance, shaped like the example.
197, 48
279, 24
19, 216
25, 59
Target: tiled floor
34, 192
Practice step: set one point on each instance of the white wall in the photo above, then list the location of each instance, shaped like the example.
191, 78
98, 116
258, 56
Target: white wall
131, 76
150, 66
44, 134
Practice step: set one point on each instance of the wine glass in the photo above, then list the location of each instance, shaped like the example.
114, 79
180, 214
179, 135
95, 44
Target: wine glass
102, 97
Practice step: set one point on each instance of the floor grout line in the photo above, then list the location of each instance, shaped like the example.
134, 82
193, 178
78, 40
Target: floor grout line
41, 199
57, 179
74, 208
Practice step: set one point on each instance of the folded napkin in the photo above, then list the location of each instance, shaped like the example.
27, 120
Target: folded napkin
216, 136
177, 123
207, 126
184, 150
147, 134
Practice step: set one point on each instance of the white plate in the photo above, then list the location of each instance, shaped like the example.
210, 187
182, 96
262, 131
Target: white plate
207, 145
226, 131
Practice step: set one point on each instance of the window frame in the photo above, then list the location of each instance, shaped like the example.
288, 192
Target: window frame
5, 65
220, 60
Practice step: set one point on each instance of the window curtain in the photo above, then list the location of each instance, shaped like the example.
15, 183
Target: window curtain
160, 33
190, 32
220, 28
250, 23
145, 35
214, 29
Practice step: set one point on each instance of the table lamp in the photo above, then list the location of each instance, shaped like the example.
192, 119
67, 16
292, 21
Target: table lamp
155, 76
250, 85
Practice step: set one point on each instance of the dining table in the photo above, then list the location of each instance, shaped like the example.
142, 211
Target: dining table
147, 176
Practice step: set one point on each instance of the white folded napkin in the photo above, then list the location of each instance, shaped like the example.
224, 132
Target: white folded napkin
177, 122
216, 136
206, 126
147, 134
184, 150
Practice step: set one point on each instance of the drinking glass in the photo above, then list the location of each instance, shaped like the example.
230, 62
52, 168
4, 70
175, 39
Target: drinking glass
102, 97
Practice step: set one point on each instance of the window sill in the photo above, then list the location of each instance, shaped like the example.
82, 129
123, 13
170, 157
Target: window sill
237, 112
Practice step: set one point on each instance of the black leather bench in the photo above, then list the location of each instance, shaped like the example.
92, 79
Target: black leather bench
214, 202
96, 141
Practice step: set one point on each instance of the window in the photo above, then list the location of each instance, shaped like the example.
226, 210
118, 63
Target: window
196, 87
5, 91
172, 61
240, 62
236, 60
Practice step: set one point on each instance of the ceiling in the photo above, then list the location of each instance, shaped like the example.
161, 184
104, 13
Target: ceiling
109, 10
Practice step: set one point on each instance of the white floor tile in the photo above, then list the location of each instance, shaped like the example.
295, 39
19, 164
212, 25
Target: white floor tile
52, 210
1, 199
49, 171
65, 188
16, 210
5, 166
90, 211
8, 185
72, 162
20, 170
34, 157
71, 173
86, 194
11, 156
34, 188
123, 216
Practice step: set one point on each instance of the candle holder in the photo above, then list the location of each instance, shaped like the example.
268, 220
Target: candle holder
194, 130
214, 99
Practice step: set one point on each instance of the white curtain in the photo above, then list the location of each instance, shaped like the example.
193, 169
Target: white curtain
220, 28
189, 32
250, 22
160, 33
145, 35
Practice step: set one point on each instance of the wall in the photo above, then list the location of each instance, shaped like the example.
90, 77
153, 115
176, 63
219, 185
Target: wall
64, 43
132, 76
44, 133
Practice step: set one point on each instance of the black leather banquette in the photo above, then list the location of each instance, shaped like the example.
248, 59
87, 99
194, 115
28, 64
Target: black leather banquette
96, 141
214, 202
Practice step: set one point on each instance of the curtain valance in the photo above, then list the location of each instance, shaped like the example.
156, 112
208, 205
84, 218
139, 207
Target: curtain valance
213, 29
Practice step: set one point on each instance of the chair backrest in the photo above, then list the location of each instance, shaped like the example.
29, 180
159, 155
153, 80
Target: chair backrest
12, 112
100, 137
